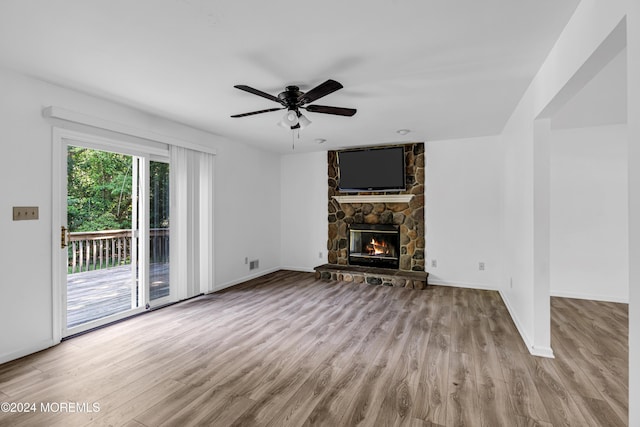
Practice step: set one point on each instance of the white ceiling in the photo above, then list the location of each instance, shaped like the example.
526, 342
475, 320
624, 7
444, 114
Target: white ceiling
441, 68
602, 101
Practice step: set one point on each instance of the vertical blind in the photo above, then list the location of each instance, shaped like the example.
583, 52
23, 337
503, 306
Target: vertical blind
192, 212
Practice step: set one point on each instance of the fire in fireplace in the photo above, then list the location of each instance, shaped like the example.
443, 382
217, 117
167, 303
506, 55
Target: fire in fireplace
374, 245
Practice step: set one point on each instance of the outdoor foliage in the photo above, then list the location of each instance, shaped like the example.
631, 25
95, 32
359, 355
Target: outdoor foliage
99, 190
158, 195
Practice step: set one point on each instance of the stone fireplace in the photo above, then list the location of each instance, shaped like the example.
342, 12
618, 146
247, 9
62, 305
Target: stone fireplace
399, 210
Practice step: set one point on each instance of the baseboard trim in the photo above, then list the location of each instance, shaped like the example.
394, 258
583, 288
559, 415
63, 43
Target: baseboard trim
528, 342
245, 279
42, 345
468, 285
300, 269
592, 297
542, 352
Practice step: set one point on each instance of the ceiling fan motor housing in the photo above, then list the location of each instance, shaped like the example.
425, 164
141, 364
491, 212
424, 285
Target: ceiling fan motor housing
289, 98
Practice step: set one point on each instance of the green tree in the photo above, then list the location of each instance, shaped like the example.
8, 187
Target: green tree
158, 195
99, 187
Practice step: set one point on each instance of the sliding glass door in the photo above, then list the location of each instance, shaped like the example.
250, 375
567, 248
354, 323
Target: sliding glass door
116, 235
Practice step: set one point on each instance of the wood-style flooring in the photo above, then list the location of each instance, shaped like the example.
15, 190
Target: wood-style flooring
287, 350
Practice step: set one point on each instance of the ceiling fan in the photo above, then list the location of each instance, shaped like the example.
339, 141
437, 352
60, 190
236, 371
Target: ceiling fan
293, 99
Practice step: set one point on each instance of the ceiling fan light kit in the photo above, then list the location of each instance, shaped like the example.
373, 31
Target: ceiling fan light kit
289, 120
293, 99
303, 121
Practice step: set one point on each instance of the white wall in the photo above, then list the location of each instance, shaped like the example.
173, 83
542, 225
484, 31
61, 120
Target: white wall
247, 213
571, 63
589, 213
245, 177
633, 123
462, 211
304, 210
463, 206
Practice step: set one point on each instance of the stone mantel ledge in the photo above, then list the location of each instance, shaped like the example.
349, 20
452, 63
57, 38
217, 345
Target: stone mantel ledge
380, 198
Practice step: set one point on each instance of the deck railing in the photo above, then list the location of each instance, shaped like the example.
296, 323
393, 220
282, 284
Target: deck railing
93, 250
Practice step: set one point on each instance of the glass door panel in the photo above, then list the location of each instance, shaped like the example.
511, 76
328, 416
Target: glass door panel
158, 231
101, 268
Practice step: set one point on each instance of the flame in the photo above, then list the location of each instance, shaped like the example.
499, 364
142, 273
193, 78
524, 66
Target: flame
378, 248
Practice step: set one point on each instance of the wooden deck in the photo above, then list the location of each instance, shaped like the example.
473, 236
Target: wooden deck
92, 295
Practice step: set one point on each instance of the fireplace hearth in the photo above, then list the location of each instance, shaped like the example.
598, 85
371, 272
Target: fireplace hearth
374, 245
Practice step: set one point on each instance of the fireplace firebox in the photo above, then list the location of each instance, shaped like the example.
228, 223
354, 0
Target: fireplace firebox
374, 245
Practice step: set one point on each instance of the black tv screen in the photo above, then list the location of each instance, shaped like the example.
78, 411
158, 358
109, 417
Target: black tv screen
375, 169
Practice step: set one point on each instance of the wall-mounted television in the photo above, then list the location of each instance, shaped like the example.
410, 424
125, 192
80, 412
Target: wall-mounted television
372, 169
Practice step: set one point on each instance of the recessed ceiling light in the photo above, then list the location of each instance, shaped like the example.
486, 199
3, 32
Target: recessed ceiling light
403, 131
319, 140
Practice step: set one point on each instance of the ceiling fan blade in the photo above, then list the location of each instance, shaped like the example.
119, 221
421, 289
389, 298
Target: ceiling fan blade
257, 112
319, 91
257, 92
338, 111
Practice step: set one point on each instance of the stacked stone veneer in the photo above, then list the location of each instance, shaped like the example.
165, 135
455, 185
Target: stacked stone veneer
372, 276
409, 216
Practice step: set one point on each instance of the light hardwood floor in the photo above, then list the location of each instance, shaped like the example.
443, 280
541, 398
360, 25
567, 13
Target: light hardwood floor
287, 350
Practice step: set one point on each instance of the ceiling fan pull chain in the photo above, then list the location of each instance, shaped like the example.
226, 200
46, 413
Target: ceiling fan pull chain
293, 140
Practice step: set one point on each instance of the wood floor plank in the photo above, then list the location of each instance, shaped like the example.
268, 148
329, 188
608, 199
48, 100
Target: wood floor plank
126, 406
600, 412
288, 350
433, 387
298, 408
485, 353
462, 405
561, 408
370, 397
433, 379
613, 390
523, 392
600, 358
247, 374
494, 403
460, 321
521, 421
574, 378
386, 349
415, 422
401, 392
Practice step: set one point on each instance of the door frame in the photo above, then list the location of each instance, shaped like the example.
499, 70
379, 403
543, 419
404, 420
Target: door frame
61, 139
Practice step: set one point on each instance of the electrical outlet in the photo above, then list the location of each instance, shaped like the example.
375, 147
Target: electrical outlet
481, 266
434, 263
320, 254
254, 264
21, 213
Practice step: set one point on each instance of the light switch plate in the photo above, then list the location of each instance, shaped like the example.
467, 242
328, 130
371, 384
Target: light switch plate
21, 213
